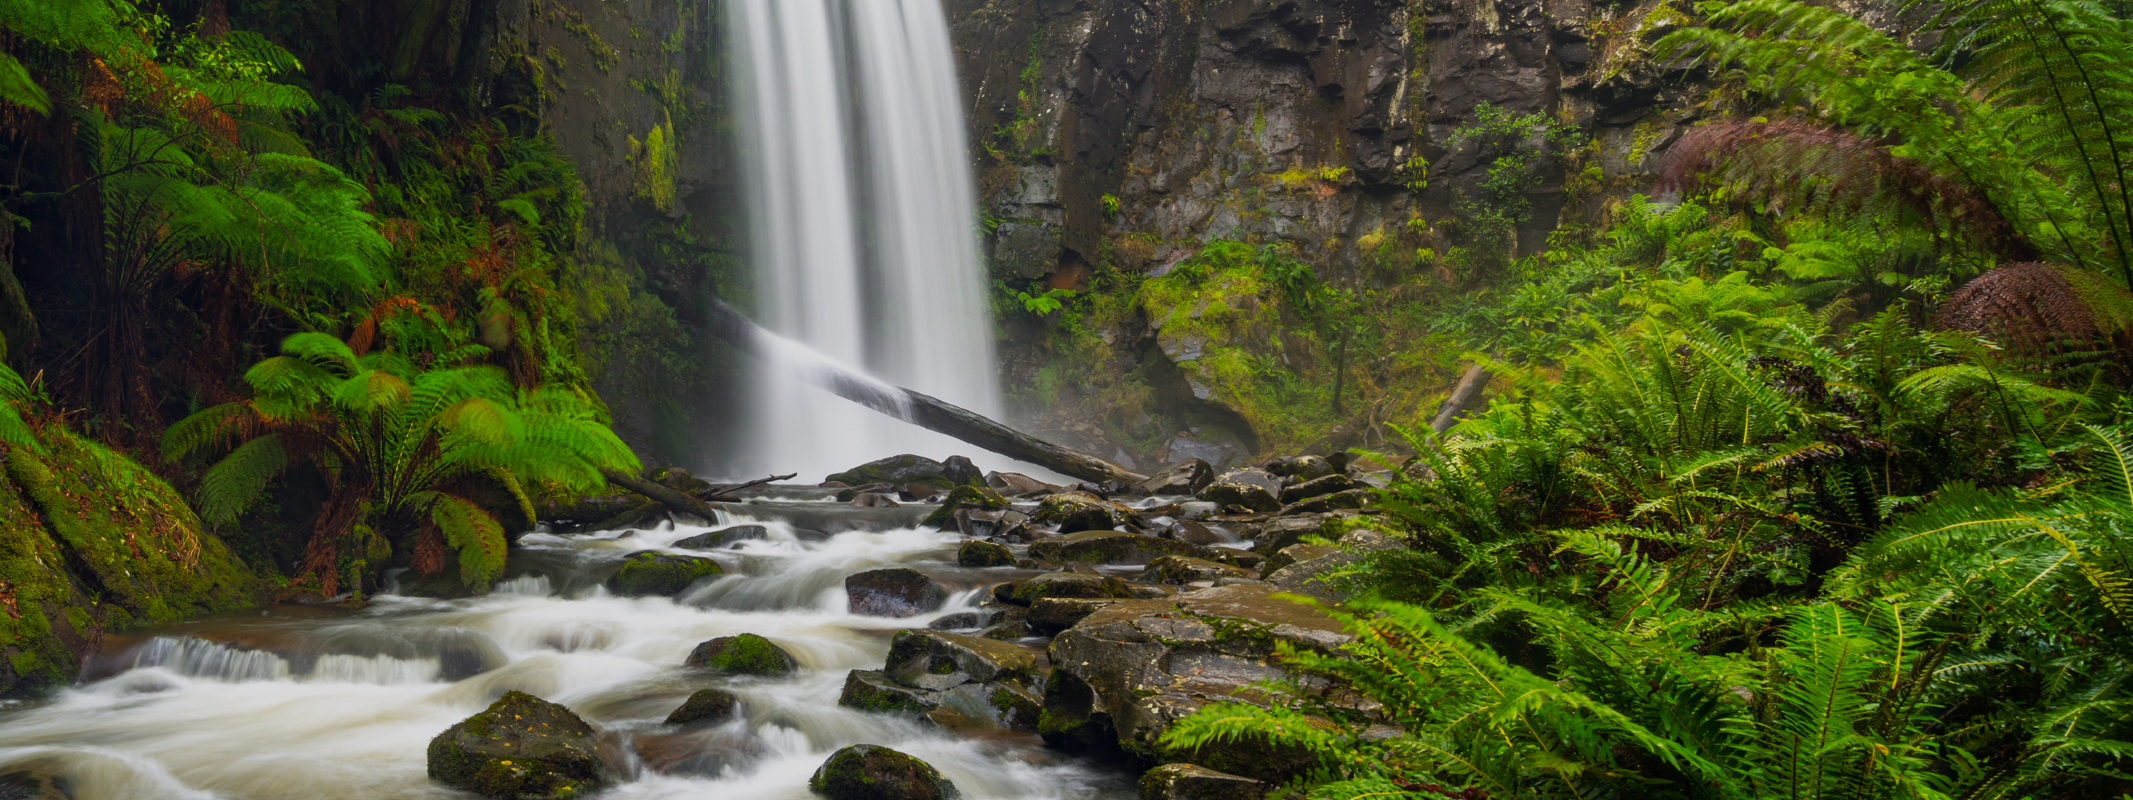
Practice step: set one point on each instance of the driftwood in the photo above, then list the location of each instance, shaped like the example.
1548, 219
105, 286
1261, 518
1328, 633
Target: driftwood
919, 409
1463, 397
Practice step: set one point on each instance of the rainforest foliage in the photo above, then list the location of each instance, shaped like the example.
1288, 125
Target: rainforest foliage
400, 266
1813, 479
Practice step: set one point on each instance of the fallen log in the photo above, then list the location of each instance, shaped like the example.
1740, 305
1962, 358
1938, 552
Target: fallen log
1463, 397
916, 408
678, 501
715, 494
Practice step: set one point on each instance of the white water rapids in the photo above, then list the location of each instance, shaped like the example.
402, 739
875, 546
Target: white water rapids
324, 703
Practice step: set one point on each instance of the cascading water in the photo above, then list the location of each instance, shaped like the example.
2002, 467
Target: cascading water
861, 215
328, 703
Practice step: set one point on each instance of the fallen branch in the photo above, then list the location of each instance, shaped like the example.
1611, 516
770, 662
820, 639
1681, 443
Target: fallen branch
677, 501
919, 409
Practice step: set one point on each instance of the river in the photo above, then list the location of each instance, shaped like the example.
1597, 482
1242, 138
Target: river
334, 702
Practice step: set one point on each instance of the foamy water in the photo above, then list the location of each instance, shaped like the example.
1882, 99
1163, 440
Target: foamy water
308, 703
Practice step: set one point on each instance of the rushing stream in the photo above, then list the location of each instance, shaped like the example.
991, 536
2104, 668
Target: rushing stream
325, 702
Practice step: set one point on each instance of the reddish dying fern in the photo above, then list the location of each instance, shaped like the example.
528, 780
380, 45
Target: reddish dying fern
1819, 167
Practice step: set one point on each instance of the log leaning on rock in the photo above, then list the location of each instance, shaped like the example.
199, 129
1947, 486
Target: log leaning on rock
918, 409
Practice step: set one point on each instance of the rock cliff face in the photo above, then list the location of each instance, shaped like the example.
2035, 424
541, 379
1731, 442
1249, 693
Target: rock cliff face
1120, 137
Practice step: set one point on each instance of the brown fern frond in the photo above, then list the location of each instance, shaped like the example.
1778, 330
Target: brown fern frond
429, 550
1816, 166
2039, 310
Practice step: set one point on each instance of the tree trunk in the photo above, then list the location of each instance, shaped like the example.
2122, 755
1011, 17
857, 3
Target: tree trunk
1463, 396
918, 409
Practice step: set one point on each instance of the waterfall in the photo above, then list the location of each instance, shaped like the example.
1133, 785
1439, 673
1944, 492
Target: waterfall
862, 221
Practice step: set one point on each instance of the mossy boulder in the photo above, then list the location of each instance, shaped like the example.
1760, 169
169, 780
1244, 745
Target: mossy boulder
646, 574
1063, 584
984, 554
1185, 477
746, 654
905, 469
724, 537
1301, 468
521, 748
1186, 569
871, 690
1350, 499
977, 498
1109, 547
1318, 487
937, 660
706, 705
873, 772
1128, 671
893, 592
1194, 782
1079, 511
1242, 495
1054, 614
79, 517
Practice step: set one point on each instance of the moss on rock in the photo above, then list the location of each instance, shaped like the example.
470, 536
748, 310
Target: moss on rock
870, 690
646, 574
872, 772
977, 498
1109, 547
706, 705
520, 748
746, 654
984, 554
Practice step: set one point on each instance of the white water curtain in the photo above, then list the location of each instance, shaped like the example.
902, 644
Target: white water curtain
862, 216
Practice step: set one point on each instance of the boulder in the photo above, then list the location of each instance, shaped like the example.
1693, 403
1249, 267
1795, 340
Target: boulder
937, 661
724, 537
1248, 496
1300, 469
1294, 553
984, 554
1062, 584
1108, 547
1192, 532
1080, 511
904, 469
961, 472
1051, 615
850, 493
874, 500
1320, 486
1125, 673
893, 592
706, 705
873, 772
959, 621
1193, 782
870, 690
1015, 483
972, 497
918, 493
746, 654
679, 480
520, 747
1185, 477
1311, 568
1352, 498
645, 574
1185, 569
1282, 532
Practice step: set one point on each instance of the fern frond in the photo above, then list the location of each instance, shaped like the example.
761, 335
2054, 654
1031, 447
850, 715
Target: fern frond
475, 534
232, 483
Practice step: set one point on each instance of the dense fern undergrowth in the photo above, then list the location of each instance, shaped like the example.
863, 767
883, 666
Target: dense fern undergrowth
1814, 474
